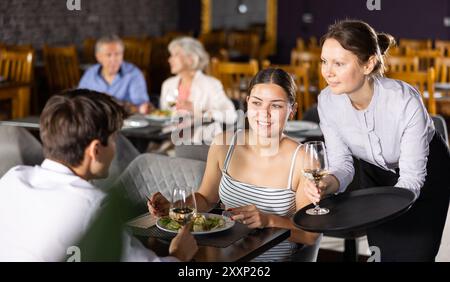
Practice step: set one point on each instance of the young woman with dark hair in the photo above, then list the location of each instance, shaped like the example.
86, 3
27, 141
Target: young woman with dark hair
384, 124
256, 172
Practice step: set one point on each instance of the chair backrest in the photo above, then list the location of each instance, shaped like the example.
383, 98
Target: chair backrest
125, 154
443, 46
416, 44
150, 173
193, 152
214, 43
234, 76
423, 81
138, 52
89, 51
17, 65
310, 60
441, 126
18, 147
427, 57
246, 44
402, 64
301, 77
300, 44
442, 68
62, 67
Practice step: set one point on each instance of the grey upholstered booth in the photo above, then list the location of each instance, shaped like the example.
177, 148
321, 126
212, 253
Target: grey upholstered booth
18, 147
150, 173
125, 154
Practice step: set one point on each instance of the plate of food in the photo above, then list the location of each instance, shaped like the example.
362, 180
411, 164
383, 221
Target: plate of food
203, 223
300, 125
134, 123
160, 115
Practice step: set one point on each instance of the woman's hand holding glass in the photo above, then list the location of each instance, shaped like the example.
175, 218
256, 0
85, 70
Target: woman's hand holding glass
158, 205
327, 185
315, 169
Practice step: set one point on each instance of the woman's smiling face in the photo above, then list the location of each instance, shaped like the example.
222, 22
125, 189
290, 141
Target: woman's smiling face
268, 109
341, 68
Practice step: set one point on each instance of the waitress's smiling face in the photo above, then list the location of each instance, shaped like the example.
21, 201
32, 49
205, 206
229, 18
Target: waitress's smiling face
341, 68
268, 109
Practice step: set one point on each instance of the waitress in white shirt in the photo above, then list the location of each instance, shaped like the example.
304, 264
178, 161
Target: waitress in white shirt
384, 124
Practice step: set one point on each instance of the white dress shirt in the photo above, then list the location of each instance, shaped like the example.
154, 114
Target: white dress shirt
394, 131
45, 210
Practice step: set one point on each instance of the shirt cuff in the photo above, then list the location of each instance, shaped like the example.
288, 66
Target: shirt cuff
404, 185
343, 178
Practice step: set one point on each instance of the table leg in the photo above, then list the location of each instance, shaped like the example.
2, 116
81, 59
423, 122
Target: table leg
350, 250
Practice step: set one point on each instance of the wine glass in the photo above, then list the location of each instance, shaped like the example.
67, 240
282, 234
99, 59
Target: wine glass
172, 98
182, 209
315, 167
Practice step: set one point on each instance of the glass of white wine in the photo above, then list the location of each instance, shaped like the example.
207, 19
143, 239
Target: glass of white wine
172, 98
182, 209
315, 167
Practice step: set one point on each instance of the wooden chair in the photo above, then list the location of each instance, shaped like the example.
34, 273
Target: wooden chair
423, 81
395, 51
415, 44
300, 44
311, 60
300, 74
215, 44
443, 46
89, 51
402, 64
247, 44
17, 67
427, 57
234, 76
442, 70
138, 52
61, 67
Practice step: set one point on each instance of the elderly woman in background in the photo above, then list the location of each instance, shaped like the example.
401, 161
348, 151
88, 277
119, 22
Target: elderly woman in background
193, 92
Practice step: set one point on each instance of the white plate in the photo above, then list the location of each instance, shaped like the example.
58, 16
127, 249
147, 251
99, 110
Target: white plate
228, 224
158, 118
135, 123
300, 125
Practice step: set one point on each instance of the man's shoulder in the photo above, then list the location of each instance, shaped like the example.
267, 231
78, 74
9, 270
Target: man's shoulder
92, 70
130, 68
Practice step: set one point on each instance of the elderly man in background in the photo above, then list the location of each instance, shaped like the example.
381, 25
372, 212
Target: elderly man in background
120, 79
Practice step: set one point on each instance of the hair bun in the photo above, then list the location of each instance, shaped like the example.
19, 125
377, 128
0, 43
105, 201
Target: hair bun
385, 41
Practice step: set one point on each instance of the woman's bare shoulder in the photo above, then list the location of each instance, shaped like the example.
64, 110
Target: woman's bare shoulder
221, 143
289, 144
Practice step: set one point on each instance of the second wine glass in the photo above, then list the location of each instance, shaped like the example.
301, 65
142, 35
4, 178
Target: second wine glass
182, 209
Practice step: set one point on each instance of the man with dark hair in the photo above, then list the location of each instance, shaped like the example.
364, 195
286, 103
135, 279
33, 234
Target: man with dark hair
45, 210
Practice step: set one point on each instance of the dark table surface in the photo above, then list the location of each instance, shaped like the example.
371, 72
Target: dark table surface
250, 246
356, 211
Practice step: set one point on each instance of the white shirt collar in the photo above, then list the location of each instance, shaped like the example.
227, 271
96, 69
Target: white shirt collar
60, 168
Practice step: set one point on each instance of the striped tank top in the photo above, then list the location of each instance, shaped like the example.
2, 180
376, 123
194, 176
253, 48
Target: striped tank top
279, 201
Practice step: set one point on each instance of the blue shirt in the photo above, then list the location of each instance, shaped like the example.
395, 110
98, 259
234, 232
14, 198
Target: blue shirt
128, 85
